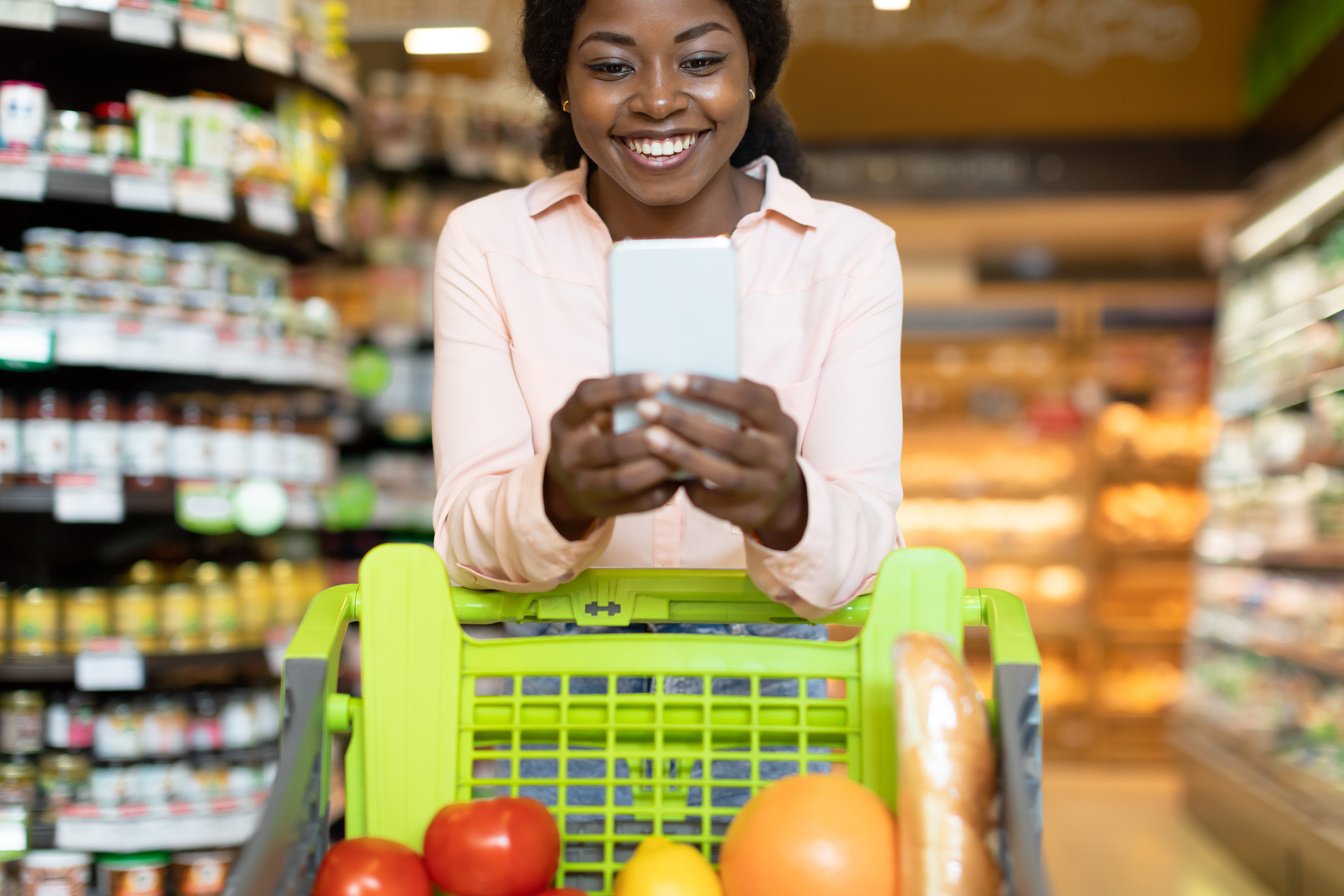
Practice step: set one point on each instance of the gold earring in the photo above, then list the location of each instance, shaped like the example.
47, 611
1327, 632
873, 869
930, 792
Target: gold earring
564, 106
751, 92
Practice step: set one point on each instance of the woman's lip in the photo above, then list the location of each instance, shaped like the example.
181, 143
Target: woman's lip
662, 163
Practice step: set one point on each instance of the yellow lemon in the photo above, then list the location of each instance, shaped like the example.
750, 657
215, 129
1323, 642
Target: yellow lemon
660, 867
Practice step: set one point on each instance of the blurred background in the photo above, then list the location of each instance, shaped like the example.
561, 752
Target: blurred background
1122, 234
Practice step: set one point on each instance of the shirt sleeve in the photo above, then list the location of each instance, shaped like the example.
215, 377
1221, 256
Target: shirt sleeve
850, 455
490, 523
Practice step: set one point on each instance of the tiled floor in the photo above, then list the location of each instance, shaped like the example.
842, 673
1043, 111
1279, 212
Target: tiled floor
1120, 831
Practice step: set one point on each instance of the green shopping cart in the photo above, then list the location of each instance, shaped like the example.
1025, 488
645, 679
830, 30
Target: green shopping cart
446, 717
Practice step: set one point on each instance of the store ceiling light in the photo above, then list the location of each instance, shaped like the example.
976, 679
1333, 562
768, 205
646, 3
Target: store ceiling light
446, 41
1305, 209
891, 5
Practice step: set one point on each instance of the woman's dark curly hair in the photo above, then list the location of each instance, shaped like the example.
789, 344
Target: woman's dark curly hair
548, 29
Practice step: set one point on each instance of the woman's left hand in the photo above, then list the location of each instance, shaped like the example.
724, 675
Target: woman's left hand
748, 476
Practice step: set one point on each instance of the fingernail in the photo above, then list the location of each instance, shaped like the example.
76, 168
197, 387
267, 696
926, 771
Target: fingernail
659, 438
652, 382
679, 382
649, 409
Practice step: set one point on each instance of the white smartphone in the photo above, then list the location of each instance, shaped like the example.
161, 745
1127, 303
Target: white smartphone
674, 309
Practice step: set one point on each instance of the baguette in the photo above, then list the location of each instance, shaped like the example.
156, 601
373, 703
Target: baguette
947, 774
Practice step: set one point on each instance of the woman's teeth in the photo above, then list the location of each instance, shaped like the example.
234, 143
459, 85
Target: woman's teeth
661, 148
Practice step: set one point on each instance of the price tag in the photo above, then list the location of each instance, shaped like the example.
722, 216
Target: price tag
26, 342
216, 37
268, 50
86, 339
272, 209
144, 27
35, 15
96, 5
89, 498
202, 194
144, 189
188, 348
109, 664
205, 507
23, 175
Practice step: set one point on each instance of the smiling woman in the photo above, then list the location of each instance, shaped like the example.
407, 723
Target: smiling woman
665, 128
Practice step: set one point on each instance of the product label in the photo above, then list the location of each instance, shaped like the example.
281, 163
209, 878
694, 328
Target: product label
190, 452
231, 454
97, 446
46, 446
9, 447
145, 449
265, 457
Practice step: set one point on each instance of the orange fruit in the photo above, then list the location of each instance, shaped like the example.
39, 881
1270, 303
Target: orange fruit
815, 835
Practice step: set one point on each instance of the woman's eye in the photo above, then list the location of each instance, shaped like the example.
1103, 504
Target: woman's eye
610, 69
700, 63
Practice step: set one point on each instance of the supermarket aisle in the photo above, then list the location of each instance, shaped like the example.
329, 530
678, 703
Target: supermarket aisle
1121, 832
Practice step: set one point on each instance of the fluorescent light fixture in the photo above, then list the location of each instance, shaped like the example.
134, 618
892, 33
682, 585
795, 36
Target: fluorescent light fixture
891, 5
446, 41
1301, 209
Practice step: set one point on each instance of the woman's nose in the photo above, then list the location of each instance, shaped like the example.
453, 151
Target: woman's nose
658, 96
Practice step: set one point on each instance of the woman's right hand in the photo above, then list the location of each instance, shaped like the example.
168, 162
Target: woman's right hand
592, 473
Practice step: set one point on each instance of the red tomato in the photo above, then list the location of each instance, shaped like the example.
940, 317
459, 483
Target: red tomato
502, 847
369, 866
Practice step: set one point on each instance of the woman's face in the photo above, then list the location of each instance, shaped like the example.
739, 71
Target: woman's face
659, 93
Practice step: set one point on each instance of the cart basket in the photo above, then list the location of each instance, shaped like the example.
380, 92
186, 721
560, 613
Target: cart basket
623, 735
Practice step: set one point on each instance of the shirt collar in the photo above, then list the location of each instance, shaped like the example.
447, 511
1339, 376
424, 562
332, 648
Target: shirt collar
782, 196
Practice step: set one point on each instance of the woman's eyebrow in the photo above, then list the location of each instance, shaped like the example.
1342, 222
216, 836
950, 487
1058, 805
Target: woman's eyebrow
625, 40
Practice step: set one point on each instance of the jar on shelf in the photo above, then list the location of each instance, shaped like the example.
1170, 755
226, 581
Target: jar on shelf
165, 729
266, 711
256, 601
147, 261
204, 734
46, 436
144, 442
181, 613
63, 780
155, 303
265, 447
58, 872
88, 616
134, 874
289, 600
100, 256
191, 449
21, 716
114, 131
203, 308
62, 295
35, 625
135, 608
108, 297
219, 607
189, 265
238, 722
201, 873
18, 785
11, 458
70, 133
50, 251
232, 433
97, 434
118, 735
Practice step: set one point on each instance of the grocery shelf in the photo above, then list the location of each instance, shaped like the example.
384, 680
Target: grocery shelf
254, 68
1280, 833
219, 824
61, 670
42, 499
1282, 324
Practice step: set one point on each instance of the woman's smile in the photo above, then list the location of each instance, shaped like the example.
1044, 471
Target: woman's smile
662, 153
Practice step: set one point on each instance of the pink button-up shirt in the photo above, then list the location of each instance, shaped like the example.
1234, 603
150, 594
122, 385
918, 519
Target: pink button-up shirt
521, 317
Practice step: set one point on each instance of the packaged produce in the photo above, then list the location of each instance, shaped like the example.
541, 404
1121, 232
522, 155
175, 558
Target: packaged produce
201, 873
133, 874
56, 873
159, 132
947, 773
23, 114
209, 125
